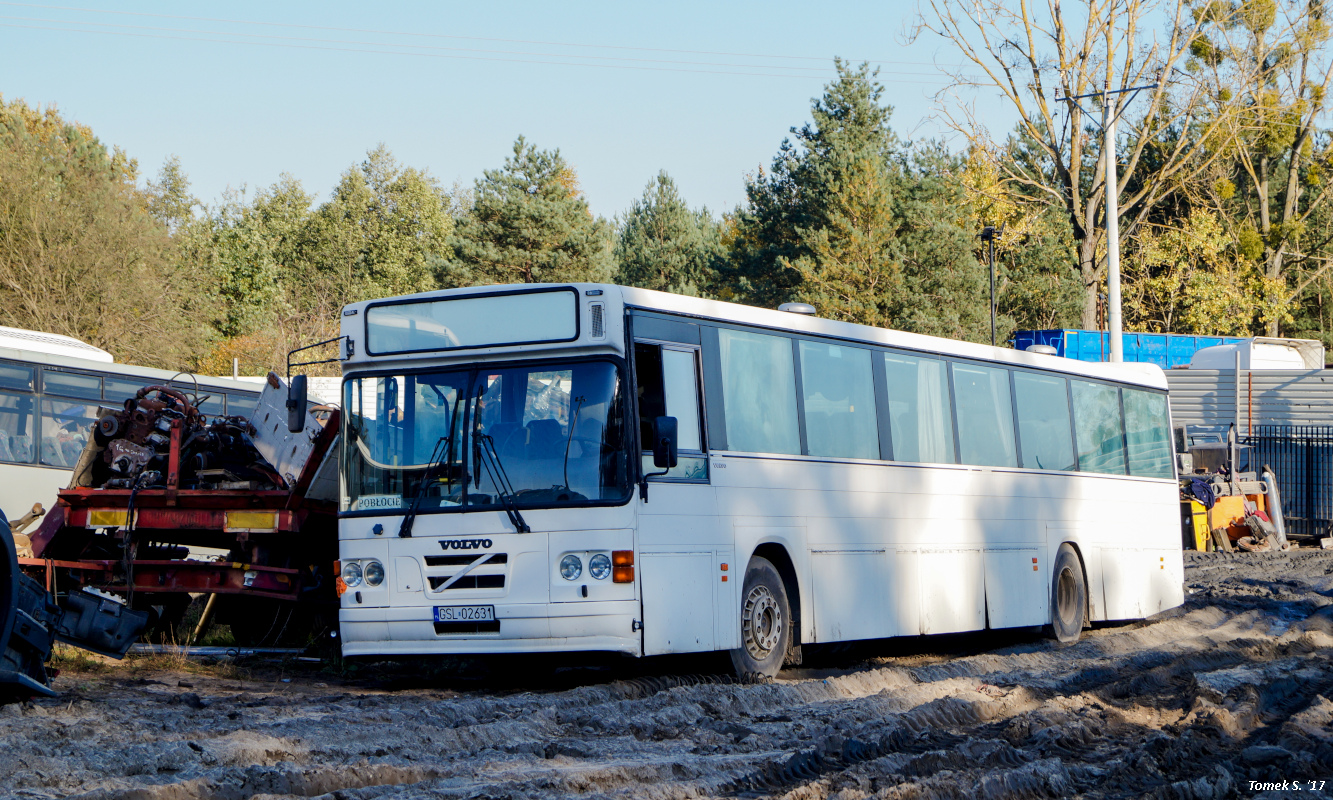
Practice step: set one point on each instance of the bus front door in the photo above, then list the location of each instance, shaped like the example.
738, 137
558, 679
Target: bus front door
686, 565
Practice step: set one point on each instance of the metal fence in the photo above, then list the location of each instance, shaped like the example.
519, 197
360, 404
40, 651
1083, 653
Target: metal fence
1302, 458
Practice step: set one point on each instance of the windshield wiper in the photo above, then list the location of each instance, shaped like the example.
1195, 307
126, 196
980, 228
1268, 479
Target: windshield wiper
504, 490
442, 454
578, 406
437, 458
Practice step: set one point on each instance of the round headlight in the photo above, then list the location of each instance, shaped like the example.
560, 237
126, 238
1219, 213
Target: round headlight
374, 573
571, 567
599, 566
352, 574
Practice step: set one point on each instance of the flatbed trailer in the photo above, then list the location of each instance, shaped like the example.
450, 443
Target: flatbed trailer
142, 544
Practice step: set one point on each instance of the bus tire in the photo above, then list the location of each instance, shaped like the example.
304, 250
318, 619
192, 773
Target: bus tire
1069, 596
765, 622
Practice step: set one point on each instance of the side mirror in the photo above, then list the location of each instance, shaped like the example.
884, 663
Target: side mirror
664, 442
296, 404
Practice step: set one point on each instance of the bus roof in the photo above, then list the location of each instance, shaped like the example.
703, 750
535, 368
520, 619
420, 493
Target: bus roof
52, 344
736, 313
29, 356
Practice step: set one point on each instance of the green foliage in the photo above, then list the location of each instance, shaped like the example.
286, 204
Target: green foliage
279, 268
80, 251
168, 198
865, 228
529, 223
384, 230
663, 245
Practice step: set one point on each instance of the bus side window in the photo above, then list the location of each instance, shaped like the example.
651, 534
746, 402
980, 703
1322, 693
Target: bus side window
667, 382
16, 428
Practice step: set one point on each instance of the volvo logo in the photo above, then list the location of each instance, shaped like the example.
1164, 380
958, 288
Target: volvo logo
465, 544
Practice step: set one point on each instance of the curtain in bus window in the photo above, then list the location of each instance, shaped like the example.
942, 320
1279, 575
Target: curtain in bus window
985, 416
1043, 421
839, 401
759, 393
1100, 432
65, 429
920, 413
1147, 434
16, 427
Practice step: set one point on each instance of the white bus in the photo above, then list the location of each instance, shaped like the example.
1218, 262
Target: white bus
599, 468
50, 389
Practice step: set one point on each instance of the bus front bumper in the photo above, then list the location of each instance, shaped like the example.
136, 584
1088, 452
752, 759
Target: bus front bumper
608, 626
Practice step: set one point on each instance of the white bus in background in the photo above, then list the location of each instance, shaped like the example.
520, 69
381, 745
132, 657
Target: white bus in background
598, 468
50, 389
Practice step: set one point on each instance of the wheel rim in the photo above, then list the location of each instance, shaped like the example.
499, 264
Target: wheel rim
1066, 596
761, 623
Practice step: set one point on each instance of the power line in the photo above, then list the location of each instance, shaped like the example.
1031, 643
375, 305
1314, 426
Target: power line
66, 28
823, 70
445, 36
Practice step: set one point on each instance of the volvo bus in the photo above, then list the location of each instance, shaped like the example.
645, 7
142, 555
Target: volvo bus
50, 389
599, 468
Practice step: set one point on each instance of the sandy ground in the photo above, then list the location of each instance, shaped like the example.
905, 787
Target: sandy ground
1200, 702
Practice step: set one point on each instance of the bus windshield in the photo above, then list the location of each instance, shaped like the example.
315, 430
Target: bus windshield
535, 435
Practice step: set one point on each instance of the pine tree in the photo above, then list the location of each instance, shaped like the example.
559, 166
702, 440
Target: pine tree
663, 245
529, 223
865, 228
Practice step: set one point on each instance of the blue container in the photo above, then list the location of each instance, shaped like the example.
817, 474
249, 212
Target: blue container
1166, 350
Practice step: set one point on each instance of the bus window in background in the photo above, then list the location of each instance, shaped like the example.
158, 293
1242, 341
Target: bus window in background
71, 384
241, 405
1101, 439
1043, 421
15, 376
1147, 434
65, 430
920, 411
759, 393
985, 416
839, 401
16, 428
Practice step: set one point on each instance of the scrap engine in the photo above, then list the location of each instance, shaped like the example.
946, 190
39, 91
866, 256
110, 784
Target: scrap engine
132, 446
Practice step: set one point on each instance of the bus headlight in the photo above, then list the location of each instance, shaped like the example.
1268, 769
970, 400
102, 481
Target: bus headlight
352, 574
599, 566
374, 573
571, 567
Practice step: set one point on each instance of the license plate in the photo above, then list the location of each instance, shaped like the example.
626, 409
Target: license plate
464, 613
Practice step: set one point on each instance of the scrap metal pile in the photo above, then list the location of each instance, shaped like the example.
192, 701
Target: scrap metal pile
132, 448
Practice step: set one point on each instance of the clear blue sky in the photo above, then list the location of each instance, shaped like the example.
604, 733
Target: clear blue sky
237, 111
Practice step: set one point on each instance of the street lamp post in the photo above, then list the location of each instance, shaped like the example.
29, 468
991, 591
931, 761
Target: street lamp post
1109, 113
988, 235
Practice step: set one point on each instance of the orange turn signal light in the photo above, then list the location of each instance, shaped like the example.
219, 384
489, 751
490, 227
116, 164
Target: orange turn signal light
622, 558
339, 585
622, 574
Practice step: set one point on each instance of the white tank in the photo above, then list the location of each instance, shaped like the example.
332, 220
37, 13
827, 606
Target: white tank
1262, 353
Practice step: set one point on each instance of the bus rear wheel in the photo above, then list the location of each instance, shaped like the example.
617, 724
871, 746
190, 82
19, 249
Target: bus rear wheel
765, 622
1069, 597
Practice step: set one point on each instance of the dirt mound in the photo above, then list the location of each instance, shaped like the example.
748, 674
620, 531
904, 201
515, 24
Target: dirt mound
1220, 698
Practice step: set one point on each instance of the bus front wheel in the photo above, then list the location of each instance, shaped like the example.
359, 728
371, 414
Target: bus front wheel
765, 621
1069, 596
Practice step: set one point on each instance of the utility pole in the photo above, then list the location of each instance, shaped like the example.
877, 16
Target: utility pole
1109, 114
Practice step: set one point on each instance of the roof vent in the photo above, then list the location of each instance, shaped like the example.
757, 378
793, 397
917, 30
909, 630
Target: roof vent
797, 308
1044, 349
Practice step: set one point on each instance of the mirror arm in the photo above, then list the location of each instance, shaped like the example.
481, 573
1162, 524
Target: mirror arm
643, 483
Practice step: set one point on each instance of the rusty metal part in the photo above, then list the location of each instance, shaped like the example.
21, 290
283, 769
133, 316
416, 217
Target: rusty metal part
20, 524
175, 576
